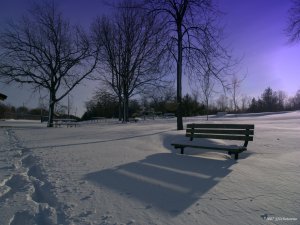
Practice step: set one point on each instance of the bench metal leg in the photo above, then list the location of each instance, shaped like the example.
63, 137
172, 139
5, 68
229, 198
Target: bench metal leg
182, 150
236, 156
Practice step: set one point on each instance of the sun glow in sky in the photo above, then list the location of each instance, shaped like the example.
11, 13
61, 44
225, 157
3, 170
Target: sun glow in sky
254, 30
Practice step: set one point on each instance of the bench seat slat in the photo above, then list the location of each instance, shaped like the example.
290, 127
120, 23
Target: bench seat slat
66, 124
225, 137
226, 126
237, 149
220, 131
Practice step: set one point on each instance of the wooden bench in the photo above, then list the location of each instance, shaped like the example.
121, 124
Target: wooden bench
73, 124
241, 132
64, 122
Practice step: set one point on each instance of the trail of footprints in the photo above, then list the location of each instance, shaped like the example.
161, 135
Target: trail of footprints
28, 184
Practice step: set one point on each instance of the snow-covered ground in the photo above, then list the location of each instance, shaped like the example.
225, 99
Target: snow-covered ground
129, 174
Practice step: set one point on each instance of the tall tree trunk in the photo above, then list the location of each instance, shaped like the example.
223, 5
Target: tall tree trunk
207, 109
120, 108
234, 98
125, 109
179, 79
51, 109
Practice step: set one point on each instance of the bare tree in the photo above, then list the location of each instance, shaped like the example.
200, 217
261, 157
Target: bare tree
45, 51
209, 65
293, 26
245, 101
132, 51
207, 86
161, 97
222, 102
104, 31
282, 99
205, 83
235, 92
189, 23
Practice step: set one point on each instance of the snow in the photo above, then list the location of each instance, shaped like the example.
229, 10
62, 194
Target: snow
130, 174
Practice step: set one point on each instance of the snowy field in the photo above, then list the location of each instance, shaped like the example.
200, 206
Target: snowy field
104, 174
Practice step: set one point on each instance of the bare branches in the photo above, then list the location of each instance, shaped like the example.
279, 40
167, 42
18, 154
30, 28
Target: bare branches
44, 50
132, 51
293, 27
194, 40
235, 86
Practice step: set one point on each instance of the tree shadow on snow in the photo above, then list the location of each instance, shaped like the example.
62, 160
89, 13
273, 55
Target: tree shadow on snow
168, 181
126, 137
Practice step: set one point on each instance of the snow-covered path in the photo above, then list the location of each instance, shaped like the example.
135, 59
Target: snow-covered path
130, 174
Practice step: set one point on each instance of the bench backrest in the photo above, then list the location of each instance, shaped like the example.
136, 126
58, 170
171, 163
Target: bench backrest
243, 132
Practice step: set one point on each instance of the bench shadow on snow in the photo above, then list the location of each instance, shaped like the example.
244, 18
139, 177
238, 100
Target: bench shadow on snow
168, 181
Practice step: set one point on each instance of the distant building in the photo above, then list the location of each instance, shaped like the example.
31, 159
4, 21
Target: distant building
2, 97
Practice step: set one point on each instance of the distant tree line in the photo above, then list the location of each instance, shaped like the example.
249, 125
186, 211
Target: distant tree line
104, 104
23, 112
274, 101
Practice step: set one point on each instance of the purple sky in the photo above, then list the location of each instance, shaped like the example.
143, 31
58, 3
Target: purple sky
254, 30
